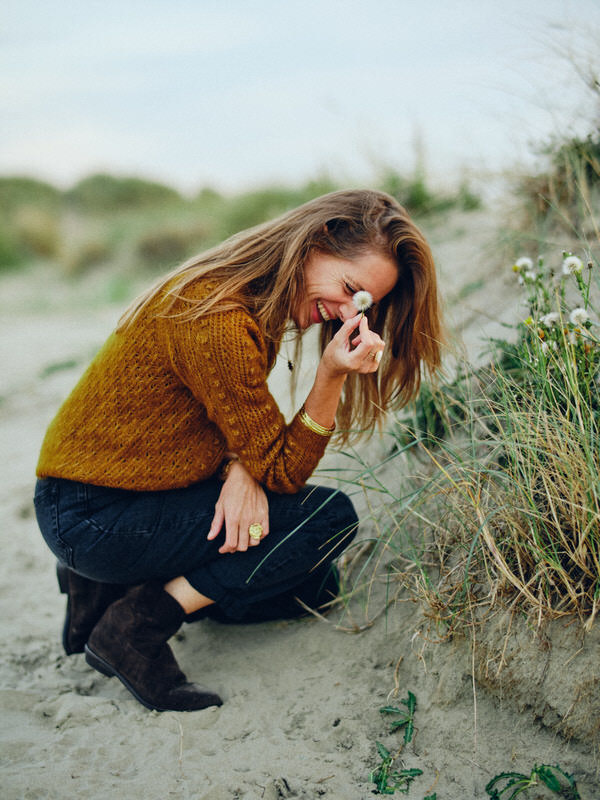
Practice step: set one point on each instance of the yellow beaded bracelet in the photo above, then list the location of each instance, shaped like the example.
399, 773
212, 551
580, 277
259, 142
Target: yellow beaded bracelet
314, 426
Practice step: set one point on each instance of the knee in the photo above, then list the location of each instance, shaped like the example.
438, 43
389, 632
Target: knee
345, 512
323, 514
341, 517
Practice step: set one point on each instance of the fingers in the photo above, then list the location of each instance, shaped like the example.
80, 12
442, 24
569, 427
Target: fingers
368, 348
351, 324
242, 509
234, 537
343, 334
365, 337
372, 361
256, 533
259, 527
217, 523
239, 537
238, 529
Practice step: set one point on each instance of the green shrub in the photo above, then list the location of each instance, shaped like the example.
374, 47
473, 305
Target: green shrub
563, 196
251, 208
466, 198
19, 191
208, 196
100, 193
419, 199
558, 344
85, 255
166, 248
38, 231
11, 252
29, 228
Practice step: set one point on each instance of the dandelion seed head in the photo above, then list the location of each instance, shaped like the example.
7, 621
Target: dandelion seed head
572, 265
548, 347
579, 316
362, 300
550, 319
523, 263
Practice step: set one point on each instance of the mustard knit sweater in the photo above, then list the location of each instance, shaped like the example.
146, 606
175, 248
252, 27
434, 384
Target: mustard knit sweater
164, 400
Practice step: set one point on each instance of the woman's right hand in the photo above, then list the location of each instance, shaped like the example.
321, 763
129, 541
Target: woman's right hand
353, 353
242, 502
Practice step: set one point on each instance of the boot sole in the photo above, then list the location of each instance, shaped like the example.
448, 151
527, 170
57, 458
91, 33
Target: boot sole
101, 665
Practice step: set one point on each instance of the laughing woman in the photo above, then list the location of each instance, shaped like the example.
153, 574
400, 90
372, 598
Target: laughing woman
169, 483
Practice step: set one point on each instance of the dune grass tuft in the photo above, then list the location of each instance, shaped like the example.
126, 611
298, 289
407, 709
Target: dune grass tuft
505, 466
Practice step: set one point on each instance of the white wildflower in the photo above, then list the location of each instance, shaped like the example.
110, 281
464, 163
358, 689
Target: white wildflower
550, 319
548, 346
579, 316
524, 263
572, 265
526, 272
362, 300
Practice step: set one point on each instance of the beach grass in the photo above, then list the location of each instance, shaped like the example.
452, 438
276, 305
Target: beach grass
498, 500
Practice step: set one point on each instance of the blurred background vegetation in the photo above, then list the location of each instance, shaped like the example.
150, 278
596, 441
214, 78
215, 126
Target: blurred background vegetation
141, 226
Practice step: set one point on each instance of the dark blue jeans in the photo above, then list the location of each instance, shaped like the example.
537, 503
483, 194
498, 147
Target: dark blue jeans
121, 536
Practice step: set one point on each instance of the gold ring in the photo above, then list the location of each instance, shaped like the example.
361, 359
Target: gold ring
378, 356
255, 531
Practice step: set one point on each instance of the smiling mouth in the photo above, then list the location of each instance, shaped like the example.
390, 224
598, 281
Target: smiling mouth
323, 311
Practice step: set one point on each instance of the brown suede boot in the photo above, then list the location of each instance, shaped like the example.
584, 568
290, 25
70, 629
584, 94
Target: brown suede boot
130, 643
87, 600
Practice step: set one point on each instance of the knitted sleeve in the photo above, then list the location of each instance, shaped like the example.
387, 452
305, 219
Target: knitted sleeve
222, 359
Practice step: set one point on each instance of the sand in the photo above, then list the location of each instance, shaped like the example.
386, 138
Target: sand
301, 714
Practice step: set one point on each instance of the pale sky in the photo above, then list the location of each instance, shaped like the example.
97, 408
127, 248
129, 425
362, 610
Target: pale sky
231, 94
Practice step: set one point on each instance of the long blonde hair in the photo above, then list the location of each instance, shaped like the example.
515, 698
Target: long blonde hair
262, 270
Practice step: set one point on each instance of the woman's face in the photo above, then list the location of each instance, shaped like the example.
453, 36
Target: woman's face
330, 283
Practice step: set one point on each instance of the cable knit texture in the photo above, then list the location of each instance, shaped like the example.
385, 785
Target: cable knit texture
164, 400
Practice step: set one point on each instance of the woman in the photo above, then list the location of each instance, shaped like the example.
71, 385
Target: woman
169, 483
